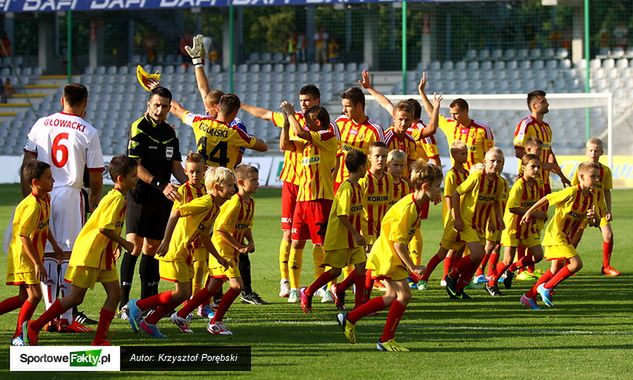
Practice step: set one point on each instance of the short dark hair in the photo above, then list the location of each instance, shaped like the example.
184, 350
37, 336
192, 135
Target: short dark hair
378, 144
310, 90
319, 113
34, 169
121, 165
459, 102
242, 170
194, 157
415, 107
160, 91
354, 95
354, 160
75, 94
229, 103
534, 94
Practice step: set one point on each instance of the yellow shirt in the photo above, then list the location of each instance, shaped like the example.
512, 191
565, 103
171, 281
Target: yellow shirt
355, 136
400, 190
529, 127
477, 137
196, 218
378, 192
522, 195
398, 226
31, 221
92, 248
292, 158
405, 143
605, 184
350, 201
570, 215
235, 218
216, 141
453, 179
188, 193
317, 166
425, 146
479, 193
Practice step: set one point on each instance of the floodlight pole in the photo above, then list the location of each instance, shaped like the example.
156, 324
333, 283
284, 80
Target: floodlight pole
587, 70
404, 47
231, 46
69, 45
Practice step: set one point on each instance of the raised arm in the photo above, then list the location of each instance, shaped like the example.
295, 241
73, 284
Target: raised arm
177, 109
434, 121
428, 106
365, 83
289, 110
258, 112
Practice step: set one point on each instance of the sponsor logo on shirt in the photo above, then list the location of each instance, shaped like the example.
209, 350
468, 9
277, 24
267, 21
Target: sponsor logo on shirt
307, 161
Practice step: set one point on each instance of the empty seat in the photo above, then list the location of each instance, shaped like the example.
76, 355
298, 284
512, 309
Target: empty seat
447, 65
608, 64
484, 54
497, 54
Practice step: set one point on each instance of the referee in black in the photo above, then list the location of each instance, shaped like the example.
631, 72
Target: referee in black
154, 144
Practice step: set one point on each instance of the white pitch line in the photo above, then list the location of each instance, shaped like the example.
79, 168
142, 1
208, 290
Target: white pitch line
411, 326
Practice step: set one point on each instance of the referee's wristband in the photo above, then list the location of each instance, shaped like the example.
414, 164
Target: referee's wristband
158, 184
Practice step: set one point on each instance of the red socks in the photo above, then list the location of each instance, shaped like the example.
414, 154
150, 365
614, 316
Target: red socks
482, 266
372, 306
492, 263
224, 305
558, 278
498, 271
543, 279
393, 319
450, 262
105, 318
10, 304
430, 267
50, 314
198, 299
26, 312
323, 279
524, 262
163, 298
359, 282
607, 249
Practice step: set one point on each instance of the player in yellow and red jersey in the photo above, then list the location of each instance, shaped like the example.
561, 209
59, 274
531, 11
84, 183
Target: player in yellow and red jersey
309, 96
474, 203
535, 126
426, 147
477, 136
356, 130
603, 188
217, 141
316, 188
451, 245
575, 207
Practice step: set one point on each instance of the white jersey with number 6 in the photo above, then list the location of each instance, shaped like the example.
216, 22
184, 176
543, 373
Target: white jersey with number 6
69, 144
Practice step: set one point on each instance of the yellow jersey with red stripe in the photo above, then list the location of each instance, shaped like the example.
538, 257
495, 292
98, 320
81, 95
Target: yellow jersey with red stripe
196, 218
235, 218
404, 142
378, 193
349, 201
30, 220
218, 142
479, 194
400, 190
425, 146
292, 158
605, 184
454, 178
570, 214
523, 194
188, 193
530, 127
317, 167
92, 248
478, 138
355, 136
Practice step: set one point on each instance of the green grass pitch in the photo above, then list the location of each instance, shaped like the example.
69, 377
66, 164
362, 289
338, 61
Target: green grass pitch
588, 335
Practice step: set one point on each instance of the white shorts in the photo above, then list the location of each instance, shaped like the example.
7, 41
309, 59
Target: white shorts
67, 217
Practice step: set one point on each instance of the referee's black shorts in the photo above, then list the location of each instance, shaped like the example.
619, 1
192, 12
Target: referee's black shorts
147, 212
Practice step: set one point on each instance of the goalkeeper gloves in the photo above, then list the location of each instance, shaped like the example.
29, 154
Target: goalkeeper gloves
196, 52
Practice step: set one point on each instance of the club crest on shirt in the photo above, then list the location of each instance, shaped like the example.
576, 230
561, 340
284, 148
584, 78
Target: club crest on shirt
169, 152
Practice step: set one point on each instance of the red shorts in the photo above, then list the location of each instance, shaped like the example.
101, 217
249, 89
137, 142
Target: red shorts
288, 203
310, 220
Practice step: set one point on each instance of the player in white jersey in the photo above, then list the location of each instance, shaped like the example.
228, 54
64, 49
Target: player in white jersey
70, 145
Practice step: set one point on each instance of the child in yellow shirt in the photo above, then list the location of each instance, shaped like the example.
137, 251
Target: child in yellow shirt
389, 257
94, 254
26, 251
